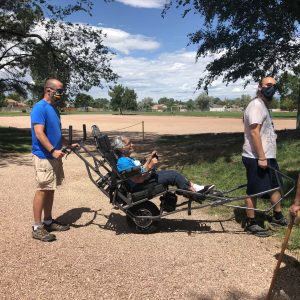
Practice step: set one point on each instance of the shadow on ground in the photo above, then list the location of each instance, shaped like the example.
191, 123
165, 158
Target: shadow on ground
287, 279
117, 223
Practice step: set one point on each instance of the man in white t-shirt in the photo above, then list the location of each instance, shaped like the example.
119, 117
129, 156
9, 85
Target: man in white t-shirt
259, 152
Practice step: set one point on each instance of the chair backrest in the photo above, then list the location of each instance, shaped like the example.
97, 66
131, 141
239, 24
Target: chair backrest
104, 147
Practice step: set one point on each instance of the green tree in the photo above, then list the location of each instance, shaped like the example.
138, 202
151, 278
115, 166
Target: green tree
287, 104
169, 102
251, 38
102, 103
83, 100
129, 100
202, 101
146, 104
2, 100
190, 105
15, 96
244, 101
290, 88
35, 40
116, 94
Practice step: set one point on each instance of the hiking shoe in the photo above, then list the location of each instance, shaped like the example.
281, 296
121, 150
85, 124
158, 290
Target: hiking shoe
207, 189
43, 235
257, 230
56, 226
279, 223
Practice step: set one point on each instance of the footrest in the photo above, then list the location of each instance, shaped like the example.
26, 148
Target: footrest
191, 195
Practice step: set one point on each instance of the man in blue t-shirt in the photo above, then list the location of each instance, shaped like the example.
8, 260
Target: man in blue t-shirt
47, 141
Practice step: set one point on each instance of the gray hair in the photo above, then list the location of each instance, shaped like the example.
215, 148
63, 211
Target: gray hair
118, 142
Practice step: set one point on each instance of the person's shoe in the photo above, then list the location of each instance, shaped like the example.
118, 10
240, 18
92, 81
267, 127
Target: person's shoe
279, 222
56, 226
42, 234
207, 189
257, 230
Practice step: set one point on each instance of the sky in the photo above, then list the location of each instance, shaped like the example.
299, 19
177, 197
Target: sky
152, 55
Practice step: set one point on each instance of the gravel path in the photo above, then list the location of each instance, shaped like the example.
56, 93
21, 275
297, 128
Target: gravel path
191, 257
100, 259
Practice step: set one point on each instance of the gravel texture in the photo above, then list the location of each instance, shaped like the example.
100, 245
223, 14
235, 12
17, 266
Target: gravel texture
191, 257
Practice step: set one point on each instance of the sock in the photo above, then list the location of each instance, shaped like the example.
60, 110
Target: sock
36, 225
47, 222
198, 187
277, 215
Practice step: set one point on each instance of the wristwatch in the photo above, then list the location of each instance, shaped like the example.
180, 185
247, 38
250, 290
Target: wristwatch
52, 150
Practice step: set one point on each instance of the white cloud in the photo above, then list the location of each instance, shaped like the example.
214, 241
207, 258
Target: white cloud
125, 42
170, 75
145, 3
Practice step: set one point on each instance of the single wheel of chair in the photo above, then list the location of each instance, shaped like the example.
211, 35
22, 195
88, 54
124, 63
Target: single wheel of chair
141, 225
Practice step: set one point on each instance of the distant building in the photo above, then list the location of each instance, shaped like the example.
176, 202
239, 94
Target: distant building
216, 107
159, 107
10, 103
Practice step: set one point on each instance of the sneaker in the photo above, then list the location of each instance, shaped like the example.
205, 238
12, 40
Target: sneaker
279, 223
207, 189
56, 226
257, 230
43, 235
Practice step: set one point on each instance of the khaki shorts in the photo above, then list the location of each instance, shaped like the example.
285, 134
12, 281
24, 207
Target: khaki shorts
49, 173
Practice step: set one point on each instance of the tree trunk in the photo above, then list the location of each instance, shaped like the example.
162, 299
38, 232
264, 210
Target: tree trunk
298, 113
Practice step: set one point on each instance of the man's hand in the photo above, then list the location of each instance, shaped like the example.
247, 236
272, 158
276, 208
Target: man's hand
154, 154
58, 154
263, 163
75, 145
294, 209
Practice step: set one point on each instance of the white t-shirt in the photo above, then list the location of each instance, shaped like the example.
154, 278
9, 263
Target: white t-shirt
257, 113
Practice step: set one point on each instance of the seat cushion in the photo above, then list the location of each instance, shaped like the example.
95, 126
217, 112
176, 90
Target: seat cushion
149, 191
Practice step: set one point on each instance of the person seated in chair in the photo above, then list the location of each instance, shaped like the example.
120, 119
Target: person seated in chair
123, 148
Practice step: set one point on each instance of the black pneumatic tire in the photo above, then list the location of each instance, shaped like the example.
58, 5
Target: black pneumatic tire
144, 226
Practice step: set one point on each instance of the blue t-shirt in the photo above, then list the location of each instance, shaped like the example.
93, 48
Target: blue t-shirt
125, 163
47, 115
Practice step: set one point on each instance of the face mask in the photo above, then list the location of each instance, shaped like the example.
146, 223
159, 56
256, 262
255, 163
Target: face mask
269, 92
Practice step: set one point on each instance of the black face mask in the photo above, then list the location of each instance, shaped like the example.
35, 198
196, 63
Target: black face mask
269, 91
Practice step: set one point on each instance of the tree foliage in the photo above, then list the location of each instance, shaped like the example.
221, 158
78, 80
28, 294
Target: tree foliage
202, 101
122, 98
251, 38
36, 42
102, 103
2, 100
83, 100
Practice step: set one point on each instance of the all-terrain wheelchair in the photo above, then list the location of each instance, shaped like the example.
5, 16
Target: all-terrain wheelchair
142, 213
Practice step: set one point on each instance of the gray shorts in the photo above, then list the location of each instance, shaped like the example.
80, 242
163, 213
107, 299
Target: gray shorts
49, 173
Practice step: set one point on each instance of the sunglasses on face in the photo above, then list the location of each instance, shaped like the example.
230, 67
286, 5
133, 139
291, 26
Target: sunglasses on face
58, 92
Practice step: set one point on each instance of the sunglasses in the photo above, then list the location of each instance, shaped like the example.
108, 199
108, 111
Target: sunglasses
58, 92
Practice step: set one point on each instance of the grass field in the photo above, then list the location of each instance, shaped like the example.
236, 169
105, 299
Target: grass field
216, 158
14, 140
238, 115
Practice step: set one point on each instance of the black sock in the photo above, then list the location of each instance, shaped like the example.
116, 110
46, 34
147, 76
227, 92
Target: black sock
277, 215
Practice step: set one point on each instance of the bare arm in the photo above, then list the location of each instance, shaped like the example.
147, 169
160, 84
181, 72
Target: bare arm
296, 206
151, 161
41, 136
255, 135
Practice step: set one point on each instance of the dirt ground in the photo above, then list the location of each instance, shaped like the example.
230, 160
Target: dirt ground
152, 124
198, 257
